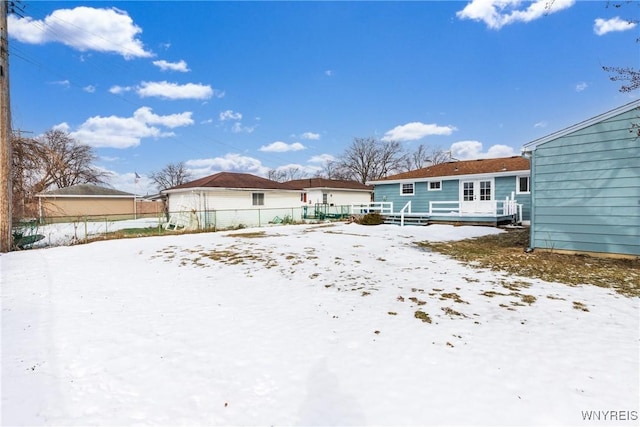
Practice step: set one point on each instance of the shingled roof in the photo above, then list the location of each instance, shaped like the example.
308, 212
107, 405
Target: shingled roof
84, 190
465, 167
232, 180
300, 184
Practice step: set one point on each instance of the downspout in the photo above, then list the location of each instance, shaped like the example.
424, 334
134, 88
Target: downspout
531, 156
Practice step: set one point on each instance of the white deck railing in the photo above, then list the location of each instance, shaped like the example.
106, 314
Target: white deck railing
380, 207
405, 209
504, 207
494, 208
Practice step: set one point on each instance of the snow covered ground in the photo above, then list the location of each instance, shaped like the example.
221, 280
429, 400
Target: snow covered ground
306, 325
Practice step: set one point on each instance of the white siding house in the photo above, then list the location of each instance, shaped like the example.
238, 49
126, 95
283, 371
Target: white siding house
331, 192
229, 199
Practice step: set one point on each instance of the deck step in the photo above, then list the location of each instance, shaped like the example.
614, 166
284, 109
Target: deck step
408, 219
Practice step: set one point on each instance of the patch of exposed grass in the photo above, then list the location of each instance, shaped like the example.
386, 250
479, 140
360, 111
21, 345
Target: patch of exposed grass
417, 301
249, 235
451, 312
422, 316
580, 306
505, 252
528, 299
453, 296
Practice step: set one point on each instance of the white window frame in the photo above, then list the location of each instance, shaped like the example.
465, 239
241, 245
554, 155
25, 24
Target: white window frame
518, 184
402, 188
257, 199
434, 189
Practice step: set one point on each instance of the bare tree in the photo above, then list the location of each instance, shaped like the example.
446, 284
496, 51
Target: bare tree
331, 170
418, 159
53, 160
171, 175
285, 173
624, 74
438, 156
368, 159
631, 75
64, 162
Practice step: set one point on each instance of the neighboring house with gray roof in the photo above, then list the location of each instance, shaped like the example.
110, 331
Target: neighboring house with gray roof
85, 200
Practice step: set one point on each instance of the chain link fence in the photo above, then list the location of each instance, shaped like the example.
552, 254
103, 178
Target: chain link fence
61, 231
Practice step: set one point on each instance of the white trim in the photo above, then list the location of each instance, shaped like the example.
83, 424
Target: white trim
253, 199
518, 184
439, 181
479, 176
530, 146
413, 188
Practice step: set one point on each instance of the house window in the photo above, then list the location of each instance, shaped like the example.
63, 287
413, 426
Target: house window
325, 199
523, 184
467, 191
406, 189
485, 190
258, 199
435, 185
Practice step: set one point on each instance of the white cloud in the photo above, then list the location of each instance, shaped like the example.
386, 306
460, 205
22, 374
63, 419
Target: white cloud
541, 124
322, 158
581, 86
416, 130
498, 13
89, 89
180, 66
238, 128
169, 90
328, 73
125, 132
310, 136
116, 90
229, 162
230, 115
145, 115
64, 127
84, 29
281, 147
604, 26
469, 150
64, 83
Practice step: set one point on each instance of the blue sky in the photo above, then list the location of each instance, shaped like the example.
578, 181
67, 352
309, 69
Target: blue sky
253, 86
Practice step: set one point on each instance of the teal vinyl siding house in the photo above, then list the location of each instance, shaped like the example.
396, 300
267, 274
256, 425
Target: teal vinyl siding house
585, 186
485, 191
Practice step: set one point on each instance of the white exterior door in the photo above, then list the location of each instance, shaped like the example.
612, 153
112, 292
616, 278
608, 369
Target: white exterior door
477, 197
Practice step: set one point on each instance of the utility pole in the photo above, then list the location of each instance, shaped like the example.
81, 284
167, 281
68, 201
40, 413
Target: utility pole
5, 135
